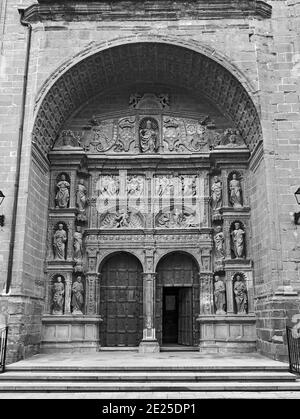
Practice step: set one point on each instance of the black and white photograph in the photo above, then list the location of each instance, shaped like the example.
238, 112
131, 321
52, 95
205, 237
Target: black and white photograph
149, 204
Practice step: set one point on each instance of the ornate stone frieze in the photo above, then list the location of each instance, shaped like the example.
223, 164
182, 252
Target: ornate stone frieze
121, 219
177, 219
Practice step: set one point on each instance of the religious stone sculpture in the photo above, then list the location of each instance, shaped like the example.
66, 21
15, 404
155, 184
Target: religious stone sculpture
122, 219
149, 137
81, 200
219, 295
216, 195
62, 196
77, 244
58, 297
176, 219
135, 185
77, 296
59, 243
235, 192
241, 295
219, 243
238, 240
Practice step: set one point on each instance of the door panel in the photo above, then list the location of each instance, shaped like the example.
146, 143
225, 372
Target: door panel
121, 302
179, 270
185, 322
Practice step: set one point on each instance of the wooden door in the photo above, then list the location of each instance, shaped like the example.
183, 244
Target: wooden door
185, 320
121, 301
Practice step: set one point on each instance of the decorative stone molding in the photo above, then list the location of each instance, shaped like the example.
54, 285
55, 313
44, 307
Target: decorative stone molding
48, 10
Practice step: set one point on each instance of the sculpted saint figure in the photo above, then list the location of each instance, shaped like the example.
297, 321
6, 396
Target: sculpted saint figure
77, 244
235, 192
59, 240
219, 294
81, 195
58, 296
240, 294
216, 196
148, 138
62, 197
219, 243
77, 296
238, 238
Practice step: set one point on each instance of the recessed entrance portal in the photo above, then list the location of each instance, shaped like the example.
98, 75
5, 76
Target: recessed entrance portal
177, 301
121, 292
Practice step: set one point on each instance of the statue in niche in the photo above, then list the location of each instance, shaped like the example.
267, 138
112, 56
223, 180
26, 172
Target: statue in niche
241, 295
238, 239
77, 296
219, 243
216, 195
77, 244
59, 243
81, 197
235, 192
58, 296
219, 295
149, 137
62, 196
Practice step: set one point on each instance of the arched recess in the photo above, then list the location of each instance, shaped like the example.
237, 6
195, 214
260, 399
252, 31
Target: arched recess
121, 301
177, 299
147, 62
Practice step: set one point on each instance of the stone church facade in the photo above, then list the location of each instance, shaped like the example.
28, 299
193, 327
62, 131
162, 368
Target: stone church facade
149, 159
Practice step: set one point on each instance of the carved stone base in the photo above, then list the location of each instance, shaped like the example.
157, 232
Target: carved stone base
149, 347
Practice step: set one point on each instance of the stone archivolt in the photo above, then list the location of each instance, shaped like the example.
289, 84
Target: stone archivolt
149, 63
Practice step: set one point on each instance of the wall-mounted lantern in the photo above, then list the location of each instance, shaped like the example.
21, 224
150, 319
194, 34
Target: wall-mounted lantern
297, 214
2, 196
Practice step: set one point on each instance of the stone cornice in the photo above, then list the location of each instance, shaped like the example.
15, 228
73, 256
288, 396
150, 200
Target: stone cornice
59, 10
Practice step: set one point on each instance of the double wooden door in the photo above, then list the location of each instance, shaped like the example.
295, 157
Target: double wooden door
121, 301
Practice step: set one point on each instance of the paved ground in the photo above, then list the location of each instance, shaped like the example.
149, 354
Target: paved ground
132, 358
157, 395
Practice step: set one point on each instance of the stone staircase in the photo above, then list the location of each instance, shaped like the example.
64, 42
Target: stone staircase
142, 379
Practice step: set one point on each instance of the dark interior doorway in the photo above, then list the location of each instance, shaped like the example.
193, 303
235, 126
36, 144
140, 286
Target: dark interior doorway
177, 316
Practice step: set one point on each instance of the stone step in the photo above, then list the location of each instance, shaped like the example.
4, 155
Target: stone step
82, 387
145, 376
146, 368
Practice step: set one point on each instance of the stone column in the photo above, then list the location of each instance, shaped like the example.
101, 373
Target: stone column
68, 291
90, 297
149, 342
229, 293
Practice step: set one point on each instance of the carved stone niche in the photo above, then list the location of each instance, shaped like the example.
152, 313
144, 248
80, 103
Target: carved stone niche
206, 260
235, 191
149, 135
57, 292
238, 240
78, 292
240, 294
58, 236
220, 297
62, 191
